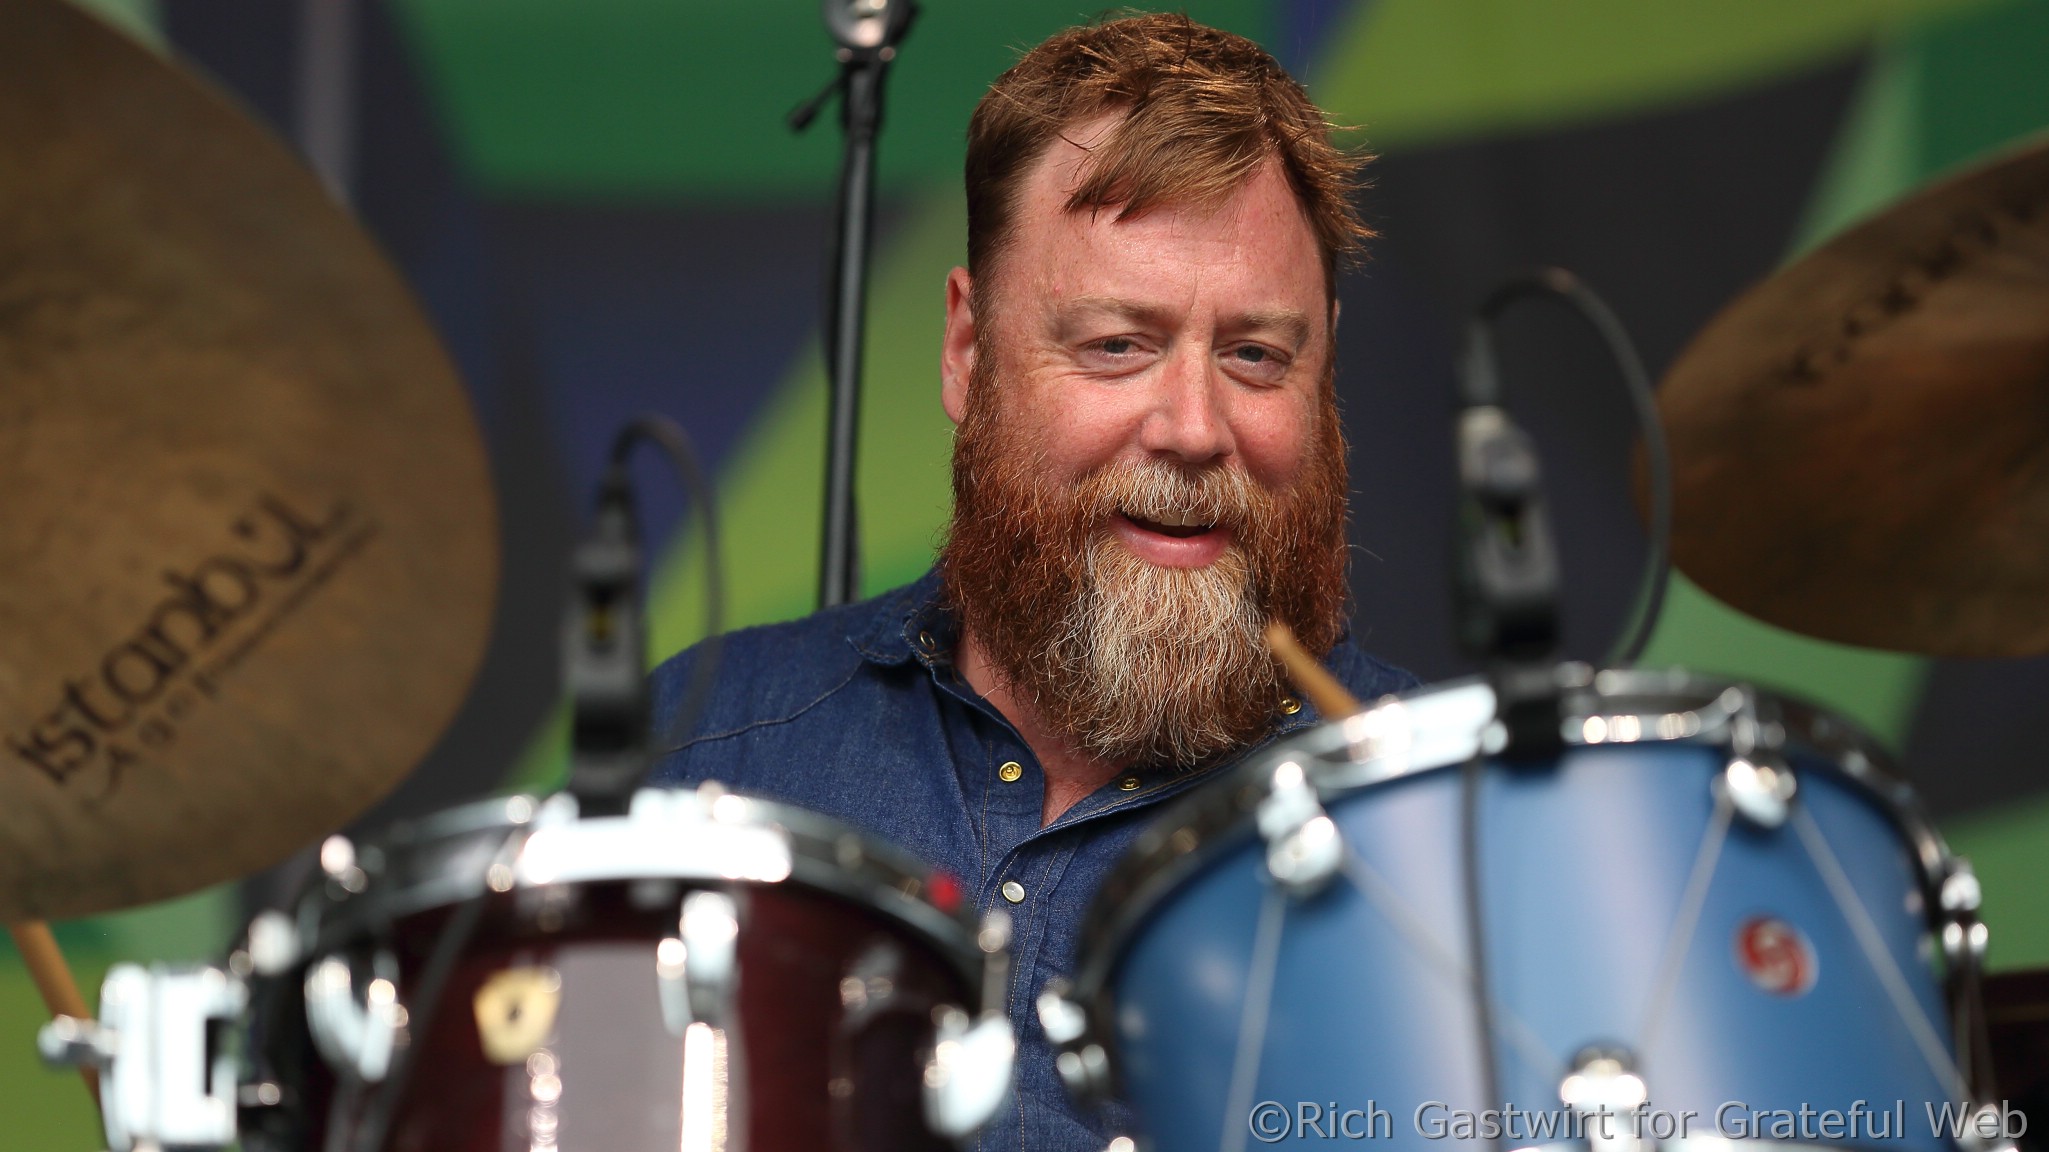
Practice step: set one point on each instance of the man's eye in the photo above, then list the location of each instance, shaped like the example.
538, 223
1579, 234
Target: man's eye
1117, 346
1253, 354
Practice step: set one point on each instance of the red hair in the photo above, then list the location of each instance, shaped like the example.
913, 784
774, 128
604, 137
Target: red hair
1203, 109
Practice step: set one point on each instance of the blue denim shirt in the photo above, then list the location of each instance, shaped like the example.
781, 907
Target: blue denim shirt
858, 712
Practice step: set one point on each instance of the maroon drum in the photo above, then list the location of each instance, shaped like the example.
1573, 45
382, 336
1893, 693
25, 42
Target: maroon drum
707, 972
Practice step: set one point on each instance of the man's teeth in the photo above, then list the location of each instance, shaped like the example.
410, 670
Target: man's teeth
1178, 520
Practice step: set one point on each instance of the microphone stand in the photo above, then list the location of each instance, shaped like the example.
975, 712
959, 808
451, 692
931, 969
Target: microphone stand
868, 32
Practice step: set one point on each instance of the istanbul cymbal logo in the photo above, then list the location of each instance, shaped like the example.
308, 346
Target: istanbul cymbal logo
214, 614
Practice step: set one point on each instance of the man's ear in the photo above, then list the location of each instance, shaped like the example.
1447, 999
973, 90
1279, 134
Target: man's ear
957, 349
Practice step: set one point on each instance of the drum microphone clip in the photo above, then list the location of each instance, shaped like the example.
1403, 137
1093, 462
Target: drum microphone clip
1507, 565
604, 649
1509, 568
1507, 584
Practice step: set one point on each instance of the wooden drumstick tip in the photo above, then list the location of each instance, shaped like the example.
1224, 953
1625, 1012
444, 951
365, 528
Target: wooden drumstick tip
52, 976
1310, 679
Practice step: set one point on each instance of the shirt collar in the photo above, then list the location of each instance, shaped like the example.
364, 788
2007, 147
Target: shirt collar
901, 625
912, 623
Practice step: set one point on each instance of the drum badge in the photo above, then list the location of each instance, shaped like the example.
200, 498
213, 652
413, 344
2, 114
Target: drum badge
1776, 956
516, 1011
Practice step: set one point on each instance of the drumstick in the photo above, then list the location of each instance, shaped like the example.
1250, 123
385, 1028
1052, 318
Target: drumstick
1321, 687
46, 967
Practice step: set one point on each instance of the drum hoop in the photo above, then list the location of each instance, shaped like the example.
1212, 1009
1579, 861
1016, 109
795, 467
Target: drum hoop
1218, 816
824, 855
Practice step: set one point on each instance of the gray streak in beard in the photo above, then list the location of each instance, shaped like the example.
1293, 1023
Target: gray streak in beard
1163, 662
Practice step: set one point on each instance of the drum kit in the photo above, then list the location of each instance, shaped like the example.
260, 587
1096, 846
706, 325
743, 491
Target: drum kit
252, 510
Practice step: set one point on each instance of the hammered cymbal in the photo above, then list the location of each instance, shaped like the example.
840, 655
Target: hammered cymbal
248, 546
1860, 444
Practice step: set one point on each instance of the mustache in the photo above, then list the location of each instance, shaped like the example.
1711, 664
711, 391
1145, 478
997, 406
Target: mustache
1159, 490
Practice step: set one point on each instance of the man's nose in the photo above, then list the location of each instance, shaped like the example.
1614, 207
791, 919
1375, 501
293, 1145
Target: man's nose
1188, 418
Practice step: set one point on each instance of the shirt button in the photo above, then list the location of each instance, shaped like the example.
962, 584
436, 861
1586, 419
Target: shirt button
1129, 784
1290, 705
1013, 891
1010, 772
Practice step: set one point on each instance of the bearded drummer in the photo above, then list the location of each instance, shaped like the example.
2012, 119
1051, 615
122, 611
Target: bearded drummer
1147, 467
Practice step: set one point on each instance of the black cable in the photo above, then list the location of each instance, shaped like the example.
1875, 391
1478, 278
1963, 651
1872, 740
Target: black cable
370, 1130
1482, 388
1476, 937
675, 443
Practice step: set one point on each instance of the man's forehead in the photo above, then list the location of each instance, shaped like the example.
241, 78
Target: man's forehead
1259, 214
1066, 158
1057, 174
1259, 239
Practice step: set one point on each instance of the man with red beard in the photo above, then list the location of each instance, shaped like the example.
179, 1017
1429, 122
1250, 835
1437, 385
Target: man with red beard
1148, 467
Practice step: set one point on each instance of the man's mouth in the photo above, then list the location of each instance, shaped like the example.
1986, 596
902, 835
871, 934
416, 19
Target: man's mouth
1180, 526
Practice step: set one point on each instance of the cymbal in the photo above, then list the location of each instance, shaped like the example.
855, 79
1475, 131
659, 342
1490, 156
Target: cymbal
1860, 444
248, 545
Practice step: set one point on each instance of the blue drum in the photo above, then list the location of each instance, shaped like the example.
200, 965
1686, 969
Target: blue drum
1712, 917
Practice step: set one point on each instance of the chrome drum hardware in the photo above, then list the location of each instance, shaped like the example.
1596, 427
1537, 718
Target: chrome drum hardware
1710, 894
156, 1028
773, 978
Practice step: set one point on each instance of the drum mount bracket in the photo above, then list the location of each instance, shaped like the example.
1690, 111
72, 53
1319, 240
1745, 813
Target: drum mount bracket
161, 1092
1080, 1059
1757, 782
1303, 846
973, 1064
697, 969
